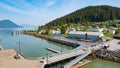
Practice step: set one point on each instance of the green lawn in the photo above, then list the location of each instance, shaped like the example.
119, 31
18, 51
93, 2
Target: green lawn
108, 35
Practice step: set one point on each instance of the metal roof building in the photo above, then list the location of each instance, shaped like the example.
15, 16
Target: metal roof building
85, 35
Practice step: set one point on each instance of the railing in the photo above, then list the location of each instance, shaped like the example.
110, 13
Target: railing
77, 59
69, 54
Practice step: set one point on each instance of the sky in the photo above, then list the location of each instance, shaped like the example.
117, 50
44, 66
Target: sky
40, 12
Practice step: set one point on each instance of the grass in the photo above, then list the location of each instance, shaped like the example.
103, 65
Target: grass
108, 35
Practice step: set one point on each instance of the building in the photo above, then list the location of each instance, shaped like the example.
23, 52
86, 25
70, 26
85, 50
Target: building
85, 35
42, 32
57, 31
97, 29
70, 29
111, 30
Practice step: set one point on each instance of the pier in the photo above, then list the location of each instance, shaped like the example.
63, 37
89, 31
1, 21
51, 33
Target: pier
77, 59
64, 41
53, 50
78, 53
82, 50
62, 56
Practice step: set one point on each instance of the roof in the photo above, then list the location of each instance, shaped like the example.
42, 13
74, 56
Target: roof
89, 33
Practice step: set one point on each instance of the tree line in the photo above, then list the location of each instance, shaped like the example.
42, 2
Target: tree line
83, 16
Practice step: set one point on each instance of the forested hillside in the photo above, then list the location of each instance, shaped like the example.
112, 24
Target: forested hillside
88, 14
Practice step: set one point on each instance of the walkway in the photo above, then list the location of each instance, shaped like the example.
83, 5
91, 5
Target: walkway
80, 51
77, 59
62, 56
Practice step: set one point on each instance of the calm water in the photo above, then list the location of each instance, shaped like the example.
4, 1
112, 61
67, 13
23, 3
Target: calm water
97, 63
36, 47
30, 46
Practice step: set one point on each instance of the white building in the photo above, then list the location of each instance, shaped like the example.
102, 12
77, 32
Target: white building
85, 35
112, 31
58, 31
42, 32
70, 29
96, 29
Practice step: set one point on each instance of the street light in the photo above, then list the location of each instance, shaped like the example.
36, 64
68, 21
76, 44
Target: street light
19, 44
17, 56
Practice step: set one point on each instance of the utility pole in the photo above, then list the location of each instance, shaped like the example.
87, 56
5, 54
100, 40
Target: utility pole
75, 48
61, 49
47, 58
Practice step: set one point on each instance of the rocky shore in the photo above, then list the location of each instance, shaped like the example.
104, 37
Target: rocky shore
108, 55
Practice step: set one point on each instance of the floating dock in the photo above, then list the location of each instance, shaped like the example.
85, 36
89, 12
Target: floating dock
53, 50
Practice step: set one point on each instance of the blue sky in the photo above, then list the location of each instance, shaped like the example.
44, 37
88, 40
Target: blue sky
39, 12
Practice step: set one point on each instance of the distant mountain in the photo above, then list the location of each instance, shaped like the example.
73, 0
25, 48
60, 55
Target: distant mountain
8, 24
88, 14
28, 26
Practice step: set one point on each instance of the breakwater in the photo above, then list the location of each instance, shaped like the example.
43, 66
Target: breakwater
53, 39
37, 35
108, 55
64, 41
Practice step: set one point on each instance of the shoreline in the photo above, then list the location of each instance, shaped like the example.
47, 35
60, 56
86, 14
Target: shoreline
108, 55
8, 60
35, 34
46, 37
52, 39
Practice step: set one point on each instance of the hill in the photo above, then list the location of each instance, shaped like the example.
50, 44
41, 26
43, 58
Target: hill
8, 24
88, 14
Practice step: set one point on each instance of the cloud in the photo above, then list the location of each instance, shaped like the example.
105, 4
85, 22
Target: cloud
50, 3
13, 9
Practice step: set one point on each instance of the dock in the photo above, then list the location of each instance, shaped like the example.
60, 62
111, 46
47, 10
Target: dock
53, 50
78, 58
64, 41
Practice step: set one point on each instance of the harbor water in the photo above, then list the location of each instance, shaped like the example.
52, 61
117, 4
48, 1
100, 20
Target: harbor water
29, 46
36, 47
98, 63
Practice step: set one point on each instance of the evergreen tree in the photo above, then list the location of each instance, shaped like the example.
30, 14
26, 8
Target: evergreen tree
63, 29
